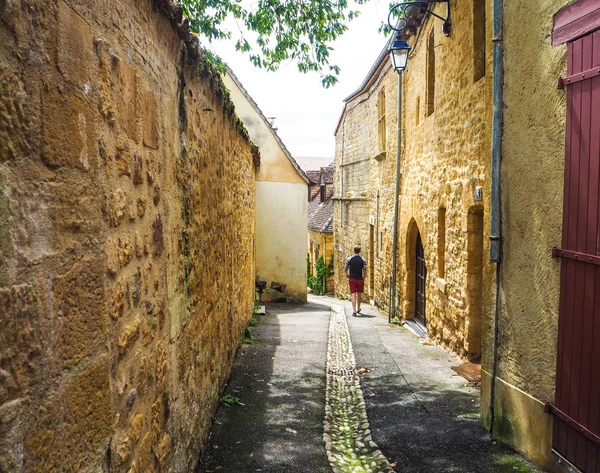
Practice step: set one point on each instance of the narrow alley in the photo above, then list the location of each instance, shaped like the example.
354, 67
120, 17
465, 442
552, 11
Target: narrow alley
423, 416
188, 205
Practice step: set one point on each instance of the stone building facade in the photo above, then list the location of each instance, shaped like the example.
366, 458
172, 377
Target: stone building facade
126, 225
537, 340
444, 180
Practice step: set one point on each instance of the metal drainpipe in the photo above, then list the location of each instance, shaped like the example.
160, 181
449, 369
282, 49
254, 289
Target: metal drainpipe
495, 225
396, 199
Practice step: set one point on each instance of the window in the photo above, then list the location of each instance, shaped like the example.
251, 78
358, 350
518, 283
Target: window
441, 252
323, 193
430, 74
381, 127
479, 20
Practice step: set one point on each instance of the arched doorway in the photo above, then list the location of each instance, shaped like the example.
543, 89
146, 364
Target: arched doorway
420, 283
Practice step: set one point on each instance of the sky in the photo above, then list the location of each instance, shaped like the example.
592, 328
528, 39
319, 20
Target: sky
306, 113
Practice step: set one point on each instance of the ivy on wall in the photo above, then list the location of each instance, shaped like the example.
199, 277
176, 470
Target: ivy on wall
318, 282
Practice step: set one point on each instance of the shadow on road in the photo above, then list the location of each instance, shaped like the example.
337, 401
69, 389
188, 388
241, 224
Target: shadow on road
281, 380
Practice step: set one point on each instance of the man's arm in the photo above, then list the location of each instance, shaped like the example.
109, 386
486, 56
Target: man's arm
364, 270
347, 268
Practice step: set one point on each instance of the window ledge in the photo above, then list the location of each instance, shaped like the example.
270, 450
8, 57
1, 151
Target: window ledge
380, 156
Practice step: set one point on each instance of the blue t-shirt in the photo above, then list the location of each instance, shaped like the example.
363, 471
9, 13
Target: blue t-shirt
357, 266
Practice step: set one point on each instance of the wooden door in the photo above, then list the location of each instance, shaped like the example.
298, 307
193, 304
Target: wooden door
421, 278
576, 409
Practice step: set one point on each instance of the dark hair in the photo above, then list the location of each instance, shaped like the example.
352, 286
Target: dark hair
357, 249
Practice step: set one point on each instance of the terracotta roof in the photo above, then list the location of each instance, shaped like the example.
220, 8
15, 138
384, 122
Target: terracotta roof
264, 119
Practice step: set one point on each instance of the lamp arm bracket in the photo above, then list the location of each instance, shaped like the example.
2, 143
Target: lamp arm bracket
401, 23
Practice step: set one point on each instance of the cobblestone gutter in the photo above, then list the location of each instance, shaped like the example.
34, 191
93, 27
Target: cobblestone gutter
347, 436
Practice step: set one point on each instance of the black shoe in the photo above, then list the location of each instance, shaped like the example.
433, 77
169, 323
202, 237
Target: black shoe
353, 314
359, 312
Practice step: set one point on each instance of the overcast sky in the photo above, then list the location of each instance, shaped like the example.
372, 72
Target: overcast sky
306, 113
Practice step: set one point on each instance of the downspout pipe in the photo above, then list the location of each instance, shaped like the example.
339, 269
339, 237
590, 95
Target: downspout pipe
497, 126
496, 205
392, 311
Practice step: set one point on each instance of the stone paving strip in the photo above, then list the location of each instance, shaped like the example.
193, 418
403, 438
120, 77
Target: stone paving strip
347, 437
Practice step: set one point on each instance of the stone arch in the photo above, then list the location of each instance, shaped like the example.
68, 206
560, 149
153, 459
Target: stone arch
412, 232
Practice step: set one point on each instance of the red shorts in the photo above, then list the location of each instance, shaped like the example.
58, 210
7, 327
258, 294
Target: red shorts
357, 285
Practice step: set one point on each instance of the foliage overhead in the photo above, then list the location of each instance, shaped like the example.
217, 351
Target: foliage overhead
281, 30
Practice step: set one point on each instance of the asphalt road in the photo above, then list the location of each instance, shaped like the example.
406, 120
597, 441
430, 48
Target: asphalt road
424, 418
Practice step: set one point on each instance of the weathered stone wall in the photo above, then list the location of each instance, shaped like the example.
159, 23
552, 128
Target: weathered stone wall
532, 193
444, 158
126, 228
364, 189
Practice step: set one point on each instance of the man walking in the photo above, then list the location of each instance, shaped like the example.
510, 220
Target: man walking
356, 268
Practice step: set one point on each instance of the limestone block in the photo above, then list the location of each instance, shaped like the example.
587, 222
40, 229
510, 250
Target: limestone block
135, 429
129, 334
163, 449
87, 416
42, 443
158, 243
11, 450
123, 160
125, 95
75, 48
117, 207
137, 170
146, 459
73, 427
141, 207
68, 133
20, 339
150, 120
78, 308
118, 301
16, 117
125, 250
123, 448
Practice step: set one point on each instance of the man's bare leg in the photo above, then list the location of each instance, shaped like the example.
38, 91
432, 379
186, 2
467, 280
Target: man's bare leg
358, 297
354, 302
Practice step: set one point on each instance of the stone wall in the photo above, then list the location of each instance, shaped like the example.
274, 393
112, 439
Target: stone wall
364, 189
444, 158
126, 225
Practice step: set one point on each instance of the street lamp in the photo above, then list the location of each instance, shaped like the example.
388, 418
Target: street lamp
399, 51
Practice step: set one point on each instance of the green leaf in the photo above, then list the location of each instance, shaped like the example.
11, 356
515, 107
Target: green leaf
302, 31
